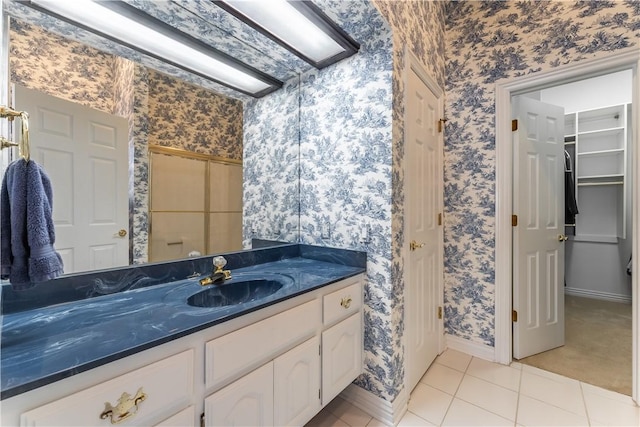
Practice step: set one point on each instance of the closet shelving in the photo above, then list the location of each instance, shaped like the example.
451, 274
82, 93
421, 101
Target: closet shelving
596, 140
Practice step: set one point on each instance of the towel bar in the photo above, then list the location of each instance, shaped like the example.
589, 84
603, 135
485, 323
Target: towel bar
10, 114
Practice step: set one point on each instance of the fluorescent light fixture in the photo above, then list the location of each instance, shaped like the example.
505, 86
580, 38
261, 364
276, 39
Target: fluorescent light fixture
120, 22
299, 26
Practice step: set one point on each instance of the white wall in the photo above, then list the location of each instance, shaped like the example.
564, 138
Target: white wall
596, 92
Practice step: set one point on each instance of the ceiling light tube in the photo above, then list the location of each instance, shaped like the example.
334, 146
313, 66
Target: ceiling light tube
299, 26
131, 27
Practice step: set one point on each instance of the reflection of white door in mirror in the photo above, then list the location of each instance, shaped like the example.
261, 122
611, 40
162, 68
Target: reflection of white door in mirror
84, 152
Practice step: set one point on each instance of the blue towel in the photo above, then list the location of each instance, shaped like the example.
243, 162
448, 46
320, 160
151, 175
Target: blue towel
27, 234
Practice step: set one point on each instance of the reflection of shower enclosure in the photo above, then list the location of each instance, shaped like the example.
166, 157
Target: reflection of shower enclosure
195, 206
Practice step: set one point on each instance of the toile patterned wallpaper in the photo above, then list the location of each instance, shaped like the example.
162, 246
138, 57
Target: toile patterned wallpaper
161, 109
351, 154
485, 42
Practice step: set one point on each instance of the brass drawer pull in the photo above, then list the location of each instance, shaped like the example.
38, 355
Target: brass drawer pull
346, 302
126, 407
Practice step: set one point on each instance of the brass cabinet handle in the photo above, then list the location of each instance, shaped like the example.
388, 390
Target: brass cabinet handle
122, 232
415, 245
126, 407
346, 302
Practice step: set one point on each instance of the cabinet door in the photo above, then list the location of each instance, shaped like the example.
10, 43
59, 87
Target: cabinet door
341, 356
297, 384
245, 402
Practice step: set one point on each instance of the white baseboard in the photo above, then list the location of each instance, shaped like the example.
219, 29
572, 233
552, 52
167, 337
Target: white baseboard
390, 413
482, 351
608, 296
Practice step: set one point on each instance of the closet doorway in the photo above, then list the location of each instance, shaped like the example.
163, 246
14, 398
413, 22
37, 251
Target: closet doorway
505, 90
597, 221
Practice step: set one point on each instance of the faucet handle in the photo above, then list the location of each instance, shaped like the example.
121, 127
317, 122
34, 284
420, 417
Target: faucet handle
219, 262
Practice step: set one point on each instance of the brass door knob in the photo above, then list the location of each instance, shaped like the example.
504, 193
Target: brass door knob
562, 238
415, 245
122, 232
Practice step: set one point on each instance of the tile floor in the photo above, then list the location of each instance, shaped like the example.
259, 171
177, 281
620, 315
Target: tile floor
461, 390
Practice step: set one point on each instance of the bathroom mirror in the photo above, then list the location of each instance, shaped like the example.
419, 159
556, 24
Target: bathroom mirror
263, 121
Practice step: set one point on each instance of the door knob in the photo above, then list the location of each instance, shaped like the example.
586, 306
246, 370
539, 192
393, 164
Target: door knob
562, 238
415, 245
122, 232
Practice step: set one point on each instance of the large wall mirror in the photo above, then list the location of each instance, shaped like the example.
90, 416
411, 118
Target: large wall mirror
202, 168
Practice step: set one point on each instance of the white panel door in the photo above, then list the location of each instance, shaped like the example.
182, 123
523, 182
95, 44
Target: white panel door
538, 238
424, 235
245, 402
296, 384
85, 154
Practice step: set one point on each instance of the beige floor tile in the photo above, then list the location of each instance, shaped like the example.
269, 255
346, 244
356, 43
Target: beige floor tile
412, 420
443, 378
550, 375
462, 413
348, 413
454, 359
326, 419
564, 394
502, 375
376, 423
603, 410
532, 412
429, 403
491, 397
623, 398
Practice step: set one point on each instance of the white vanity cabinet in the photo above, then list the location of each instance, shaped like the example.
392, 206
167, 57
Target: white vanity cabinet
275, 366
342, 345
297, 381
158, 390
283, 392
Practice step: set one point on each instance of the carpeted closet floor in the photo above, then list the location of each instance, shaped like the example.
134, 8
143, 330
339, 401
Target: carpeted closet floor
597, 346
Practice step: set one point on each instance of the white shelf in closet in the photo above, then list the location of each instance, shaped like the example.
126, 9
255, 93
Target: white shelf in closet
598, 139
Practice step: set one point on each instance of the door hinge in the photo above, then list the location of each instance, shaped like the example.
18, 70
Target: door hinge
514, 220
319, 397
440, 312
441, 123
514, 315
514, 125
440, 219
202, 420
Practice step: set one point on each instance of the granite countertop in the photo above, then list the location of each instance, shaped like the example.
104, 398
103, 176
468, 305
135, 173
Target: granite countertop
47, 344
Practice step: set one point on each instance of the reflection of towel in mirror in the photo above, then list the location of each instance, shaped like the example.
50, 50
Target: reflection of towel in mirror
27, 233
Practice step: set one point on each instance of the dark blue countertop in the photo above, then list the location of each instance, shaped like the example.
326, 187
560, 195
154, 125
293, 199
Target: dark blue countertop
45, 344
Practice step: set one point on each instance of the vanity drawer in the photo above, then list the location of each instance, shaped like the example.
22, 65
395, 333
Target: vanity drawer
342, 303
240, 351
167, 385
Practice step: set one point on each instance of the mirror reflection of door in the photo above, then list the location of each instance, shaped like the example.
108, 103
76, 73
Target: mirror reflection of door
85, 154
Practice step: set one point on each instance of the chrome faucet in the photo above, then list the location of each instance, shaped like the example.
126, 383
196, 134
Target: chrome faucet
218, 275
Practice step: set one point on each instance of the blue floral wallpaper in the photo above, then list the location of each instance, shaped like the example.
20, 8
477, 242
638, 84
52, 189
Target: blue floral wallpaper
351, 154
485, 42
270, 166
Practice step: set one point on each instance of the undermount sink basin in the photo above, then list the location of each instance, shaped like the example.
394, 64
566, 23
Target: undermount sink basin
235, 293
